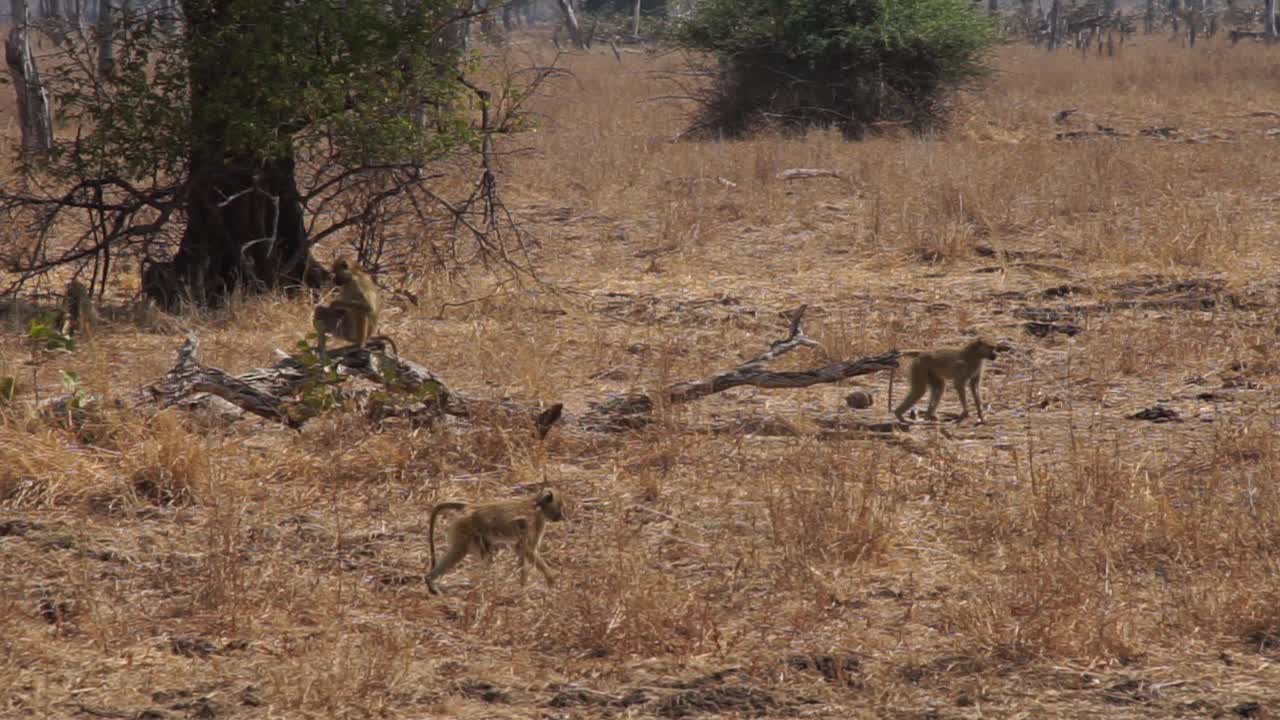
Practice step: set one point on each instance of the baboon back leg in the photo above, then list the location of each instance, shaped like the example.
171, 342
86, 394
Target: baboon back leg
457, 551
935, 397
917, 390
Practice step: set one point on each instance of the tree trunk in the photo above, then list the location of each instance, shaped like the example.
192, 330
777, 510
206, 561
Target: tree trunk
509, 16
34, 116
488, 24
571, 22
106, 44
1149, 20
167, 14
1055, 23
245, 228
993, 6
1175, 7
458, 33
635, 20
1269, 26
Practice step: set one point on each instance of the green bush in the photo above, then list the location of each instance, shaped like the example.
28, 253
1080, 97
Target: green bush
842, 63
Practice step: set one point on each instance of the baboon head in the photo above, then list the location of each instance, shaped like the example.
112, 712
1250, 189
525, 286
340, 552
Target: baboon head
341, 271
983, 349
549, 503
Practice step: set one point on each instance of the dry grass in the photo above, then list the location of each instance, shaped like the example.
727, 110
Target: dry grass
1061, 561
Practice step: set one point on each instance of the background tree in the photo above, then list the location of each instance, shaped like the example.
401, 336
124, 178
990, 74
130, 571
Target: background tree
34, 116
815, 63
262, 128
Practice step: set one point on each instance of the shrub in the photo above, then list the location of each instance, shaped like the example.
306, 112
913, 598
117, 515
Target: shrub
841, 63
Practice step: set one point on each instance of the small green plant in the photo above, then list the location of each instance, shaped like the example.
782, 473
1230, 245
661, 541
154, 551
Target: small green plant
8, 388
44, 329
71, 383
320, 393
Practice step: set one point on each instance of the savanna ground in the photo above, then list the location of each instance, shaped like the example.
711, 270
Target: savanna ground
735, 558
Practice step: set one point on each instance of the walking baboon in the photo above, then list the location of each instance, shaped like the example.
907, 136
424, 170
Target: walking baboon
520, 522
932, 369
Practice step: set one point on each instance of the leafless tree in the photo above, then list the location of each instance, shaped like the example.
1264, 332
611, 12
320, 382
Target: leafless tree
34, 115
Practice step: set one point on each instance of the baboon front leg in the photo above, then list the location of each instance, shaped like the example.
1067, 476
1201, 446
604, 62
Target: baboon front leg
542, 566
977, 398
327, 320
964, 404
457, 551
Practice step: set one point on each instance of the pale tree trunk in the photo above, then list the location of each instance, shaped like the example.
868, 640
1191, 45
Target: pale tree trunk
167, 13
1149, 21
635, 20
1269, 27
458, 33
571, 22
55, 21
106, 46
33, 102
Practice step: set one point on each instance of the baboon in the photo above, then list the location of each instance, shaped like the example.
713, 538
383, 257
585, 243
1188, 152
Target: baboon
354, 315
931, 370
79, 314
520, 522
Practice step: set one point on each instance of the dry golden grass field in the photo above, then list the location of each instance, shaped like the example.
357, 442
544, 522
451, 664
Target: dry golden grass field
737, 558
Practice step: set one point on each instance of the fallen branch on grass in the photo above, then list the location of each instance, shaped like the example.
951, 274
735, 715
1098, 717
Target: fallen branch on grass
632, 410
806, 173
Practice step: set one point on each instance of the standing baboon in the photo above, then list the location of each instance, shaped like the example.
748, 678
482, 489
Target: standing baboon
932, 369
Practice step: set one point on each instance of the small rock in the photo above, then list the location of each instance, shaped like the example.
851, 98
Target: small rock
1251, 710
1157, 414
859, 400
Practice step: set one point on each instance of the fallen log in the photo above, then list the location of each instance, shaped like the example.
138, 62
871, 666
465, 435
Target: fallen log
621, 412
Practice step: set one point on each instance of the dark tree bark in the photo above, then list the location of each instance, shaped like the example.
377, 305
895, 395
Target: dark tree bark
1055, 24
245, 226
106, 46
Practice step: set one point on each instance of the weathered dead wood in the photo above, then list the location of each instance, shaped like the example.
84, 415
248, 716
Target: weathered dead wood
264, 391
806, 173
188, 377
632, 410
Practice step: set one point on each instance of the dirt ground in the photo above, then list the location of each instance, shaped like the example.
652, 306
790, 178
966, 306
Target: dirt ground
1105, 545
